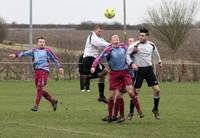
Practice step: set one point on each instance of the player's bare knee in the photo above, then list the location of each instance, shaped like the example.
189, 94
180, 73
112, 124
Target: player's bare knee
137, 91
120, 95
156, 93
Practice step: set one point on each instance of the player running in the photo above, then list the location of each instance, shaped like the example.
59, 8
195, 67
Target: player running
40, 58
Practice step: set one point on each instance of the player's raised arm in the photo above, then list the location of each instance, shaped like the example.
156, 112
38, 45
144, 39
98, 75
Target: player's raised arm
128, 54
105, 53
98, 42
22, 54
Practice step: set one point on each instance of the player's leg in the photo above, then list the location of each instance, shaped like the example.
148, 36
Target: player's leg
101, 87
116, 110
53, 101
119, 104
82, 83
101, 71
155, 110
135, 100
131, 106
131, 111
87, 64
87, 84
114, 85
116, 106
109, 117
42, 82
153, 83
130, 89
120, 100
38, 94
38, 97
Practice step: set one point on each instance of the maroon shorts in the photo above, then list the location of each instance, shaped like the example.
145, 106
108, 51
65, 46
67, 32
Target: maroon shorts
41, 77
119, 79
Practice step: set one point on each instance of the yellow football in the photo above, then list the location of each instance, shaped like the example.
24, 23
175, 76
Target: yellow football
109, 13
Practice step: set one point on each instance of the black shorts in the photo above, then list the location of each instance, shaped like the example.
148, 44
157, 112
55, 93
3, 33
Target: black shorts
87, 64
147, 74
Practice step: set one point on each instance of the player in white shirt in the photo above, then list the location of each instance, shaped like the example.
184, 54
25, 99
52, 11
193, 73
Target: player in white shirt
94, 45
143, 51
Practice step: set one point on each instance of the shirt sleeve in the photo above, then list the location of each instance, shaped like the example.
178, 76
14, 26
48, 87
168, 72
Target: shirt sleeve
25, 53
128, 54
156, 56
98, 42
104, 54
54, 58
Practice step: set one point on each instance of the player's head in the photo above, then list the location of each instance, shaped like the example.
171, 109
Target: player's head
40, 42
98, 30
143, 35
130, 40
114, 39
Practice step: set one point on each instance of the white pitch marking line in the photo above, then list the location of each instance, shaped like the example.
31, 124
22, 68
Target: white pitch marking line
65, 130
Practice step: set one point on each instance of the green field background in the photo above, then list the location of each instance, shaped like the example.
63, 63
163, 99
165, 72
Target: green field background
79, 114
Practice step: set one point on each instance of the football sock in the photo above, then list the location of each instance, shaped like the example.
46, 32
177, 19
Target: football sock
116, 108
101, 87
81, 82
121, 107
38, 96
132, 106
110, 107
136, 103
87, 84
47, 96
156, 102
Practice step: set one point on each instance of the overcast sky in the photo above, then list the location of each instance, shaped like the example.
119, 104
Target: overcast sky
75, 11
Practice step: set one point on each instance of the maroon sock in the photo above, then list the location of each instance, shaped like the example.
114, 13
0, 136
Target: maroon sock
110, 107
116, 108
136, 103
121, 106
47, 96
38, 96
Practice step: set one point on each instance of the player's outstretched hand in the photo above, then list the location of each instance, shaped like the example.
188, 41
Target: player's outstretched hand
135, 67
61, 71
12, 55
92, 70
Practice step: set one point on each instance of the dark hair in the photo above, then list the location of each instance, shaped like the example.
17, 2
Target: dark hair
41, 37
144, 30
97, 27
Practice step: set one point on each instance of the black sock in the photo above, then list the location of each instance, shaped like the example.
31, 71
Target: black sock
87, 83
81, 82
132, 106
101, 89
156, 103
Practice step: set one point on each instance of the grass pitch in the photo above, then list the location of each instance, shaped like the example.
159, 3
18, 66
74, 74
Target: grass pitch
79, 114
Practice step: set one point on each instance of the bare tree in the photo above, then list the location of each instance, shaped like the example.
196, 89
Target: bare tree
171, 22
3, 29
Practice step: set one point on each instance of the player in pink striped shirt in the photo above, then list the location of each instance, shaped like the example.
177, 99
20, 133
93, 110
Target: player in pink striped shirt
41, 58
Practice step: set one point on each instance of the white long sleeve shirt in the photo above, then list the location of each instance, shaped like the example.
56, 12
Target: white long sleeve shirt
93, 45
143, 58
